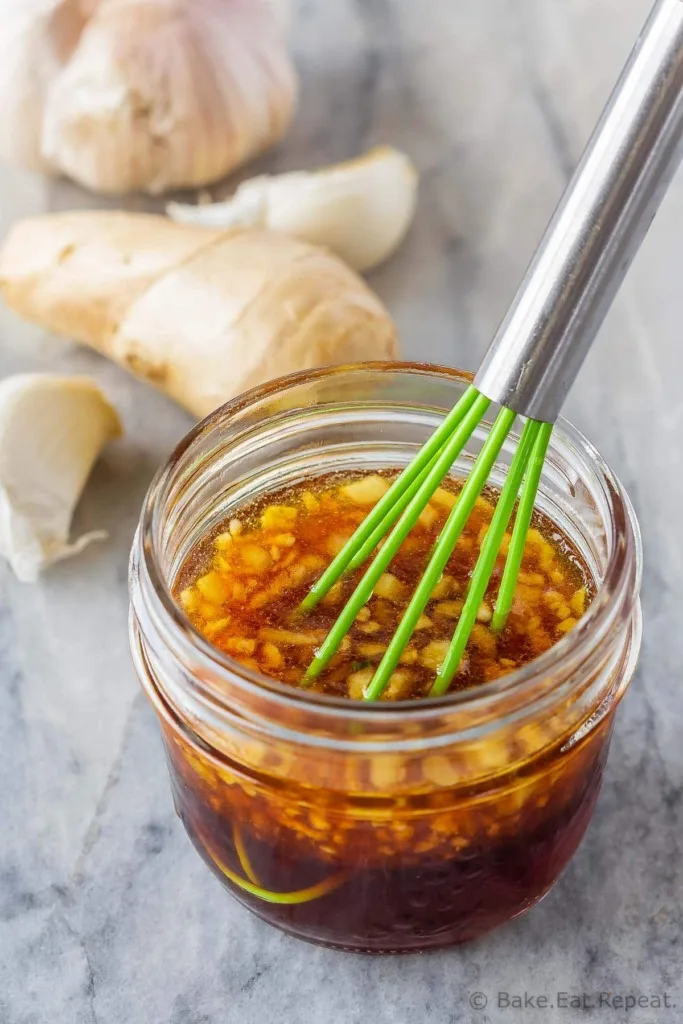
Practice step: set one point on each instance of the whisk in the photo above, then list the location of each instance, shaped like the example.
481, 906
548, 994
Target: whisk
533, 359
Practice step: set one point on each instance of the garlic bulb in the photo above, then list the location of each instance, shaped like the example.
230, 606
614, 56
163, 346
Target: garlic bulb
361, 209
52, 429
125, 95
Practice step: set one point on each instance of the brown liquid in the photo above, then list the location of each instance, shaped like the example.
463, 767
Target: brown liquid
406, 855
403, 901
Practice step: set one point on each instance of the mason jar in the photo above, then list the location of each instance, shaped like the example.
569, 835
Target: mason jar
379, 827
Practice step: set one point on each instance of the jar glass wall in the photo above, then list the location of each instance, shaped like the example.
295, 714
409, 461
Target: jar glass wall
379, 828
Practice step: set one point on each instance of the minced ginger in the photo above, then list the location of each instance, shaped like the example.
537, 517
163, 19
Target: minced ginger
243, 584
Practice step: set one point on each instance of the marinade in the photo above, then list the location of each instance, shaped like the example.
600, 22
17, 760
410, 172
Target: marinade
397, 856
242, 587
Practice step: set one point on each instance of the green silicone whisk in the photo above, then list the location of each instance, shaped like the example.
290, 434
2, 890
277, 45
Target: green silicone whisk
535, 356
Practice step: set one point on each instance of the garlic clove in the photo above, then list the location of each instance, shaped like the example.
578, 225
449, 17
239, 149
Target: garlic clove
52, 430
360, 209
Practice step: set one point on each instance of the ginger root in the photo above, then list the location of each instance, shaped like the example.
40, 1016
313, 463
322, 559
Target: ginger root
201, 314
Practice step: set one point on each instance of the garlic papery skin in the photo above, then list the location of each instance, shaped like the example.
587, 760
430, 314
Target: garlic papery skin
36, 38
164, 94
52, 429
360, 209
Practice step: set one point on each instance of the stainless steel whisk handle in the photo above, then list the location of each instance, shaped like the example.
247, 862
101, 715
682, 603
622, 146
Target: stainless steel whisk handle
596, 229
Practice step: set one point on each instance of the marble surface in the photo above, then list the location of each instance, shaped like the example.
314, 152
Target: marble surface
107, 915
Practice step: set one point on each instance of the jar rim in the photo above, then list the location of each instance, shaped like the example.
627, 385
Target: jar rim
622, 573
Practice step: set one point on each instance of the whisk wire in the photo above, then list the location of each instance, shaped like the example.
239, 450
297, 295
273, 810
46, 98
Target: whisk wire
404, 502
361, 595
486, 561
520, 530
443, 550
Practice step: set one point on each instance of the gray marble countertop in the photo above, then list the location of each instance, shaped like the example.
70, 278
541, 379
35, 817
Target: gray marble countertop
107, 916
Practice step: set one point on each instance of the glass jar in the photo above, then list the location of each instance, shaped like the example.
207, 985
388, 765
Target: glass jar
382, 828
